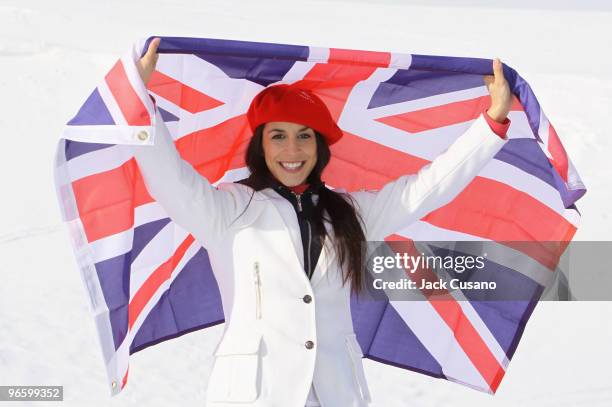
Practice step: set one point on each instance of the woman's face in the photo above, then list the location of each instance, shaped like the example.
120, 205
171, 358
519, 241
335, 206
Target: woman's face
290, 150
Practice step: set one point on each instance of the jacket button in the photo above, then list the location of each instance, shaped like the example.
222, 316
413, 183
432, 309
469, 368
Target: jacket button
309, 344
143, 135
307, 299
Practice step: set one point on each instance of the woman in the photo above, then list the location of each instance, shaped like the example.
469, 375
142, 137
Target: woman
283, 247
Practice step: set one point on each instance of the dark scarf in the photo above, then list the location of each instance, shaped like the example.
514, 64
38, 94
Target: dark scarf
309, 197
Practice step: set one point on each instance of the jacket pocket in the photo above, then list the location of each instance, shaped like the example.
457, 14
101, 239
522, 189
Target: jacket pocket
355, 353
236, 372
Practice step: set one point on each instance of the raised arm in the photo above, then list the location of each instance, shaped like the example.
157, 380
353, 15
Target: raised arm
188, 198
410, 197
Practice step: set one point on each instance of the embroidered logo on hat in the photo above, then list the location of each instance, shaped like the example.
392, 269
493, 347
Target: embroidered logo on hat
306, 96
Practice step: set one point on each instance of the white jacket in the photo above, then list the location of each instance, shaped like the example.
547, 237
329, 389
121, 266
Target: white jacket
276, 343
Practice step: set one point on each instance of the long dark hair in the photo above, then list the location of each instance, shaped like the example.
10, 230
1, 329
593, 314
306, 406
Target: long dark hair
343, 217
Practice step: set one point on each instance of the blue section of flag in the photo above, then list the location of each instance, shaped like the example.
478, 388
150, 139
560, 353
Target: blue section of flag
509, 329
214, 46
407, 85
74, 149
92, 113
191, 302
114, 277
393, 334
527, 155
381, 332
167, 116
143, 234
258, 70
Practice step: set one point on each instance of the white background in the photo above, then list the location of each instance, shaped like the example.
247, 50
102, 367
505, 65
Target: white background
53, 53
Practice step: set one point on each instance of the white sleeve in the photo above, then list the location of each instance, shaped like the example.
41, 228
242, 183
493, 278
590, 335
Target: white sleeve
410, 197
188, 198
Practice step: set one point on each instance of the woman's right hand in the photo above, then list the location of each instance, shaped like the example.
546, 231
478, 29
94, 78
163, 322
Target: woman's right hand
146, 64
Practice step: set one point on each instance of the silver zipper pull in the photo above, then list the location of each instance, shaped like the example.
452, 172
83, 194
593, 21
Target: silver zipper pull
299, 201
257, 291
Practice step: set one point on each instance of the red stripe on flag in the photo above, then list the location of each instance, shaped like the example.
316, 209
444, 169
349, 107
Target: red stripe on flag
496, 211
350, 168
358, 57
467, 336
132, 108
442, 115
557, 151
333, 83
180, 94
438, 116
105, 201
157, 278
217, 149
125, 377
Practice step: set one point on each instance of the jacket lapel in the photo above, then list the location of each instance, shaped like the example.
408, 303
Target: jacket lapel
326, 258
287, 213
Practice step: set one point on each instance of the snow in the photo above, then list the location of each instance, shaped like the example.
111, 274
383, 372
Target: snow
53, 53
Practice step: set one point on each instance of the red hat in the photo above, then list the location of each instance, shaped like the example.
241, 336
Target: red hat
289, 103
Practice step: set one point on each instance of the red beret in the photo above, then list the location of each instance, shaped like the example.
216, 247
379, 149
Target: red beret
289, 103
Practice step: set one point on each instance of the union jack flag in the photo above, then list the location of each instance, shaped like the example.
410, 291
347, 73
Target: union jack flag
148, 280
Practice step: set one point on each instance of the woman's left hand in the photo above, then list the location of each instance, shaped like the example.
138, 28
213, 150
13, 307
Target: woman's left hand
501, 96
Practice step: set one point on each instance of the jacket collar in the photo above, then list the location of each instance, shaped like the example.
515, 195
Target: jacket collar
271, 182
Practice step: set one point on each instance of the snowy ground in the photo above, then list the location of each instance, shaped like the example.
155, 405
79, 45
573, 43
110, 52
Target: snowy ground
53, 53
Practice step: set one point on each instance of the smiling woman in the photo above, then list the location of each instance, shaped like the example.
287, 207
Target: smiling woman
282, 246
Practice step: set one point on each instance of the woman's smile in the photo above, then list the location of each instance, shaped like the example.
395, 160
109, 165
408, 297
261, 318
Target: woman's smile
292, 166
